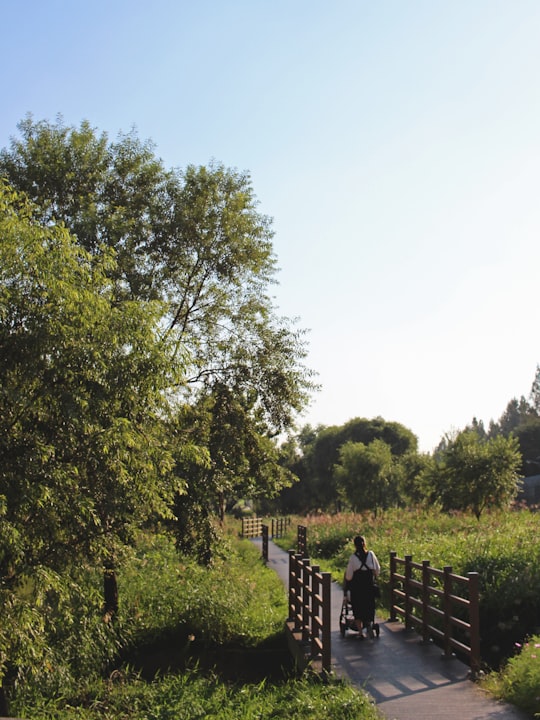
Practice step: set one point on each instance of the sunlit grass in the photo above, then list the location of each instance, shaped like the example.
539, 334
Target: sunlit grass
519, 680
190, 696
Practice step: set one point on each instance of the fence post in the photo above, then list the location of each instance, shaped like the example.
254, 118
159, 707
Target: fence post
294, 588
326, 621
474, 620
264, 542
408, 575
301, 535
425, 600
315, 610
447, 610
393, 565
306, 604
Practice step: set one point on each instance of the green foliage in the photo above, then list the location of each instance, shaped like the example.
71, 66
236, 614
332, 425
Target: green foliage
126, 274
519, 681
242, 461
191, 238
473, 473
366, 475
218, 604
84, 455
320, 465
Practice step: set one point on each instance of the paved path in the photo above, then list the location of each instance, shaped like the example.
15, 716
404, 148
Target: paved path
407, 679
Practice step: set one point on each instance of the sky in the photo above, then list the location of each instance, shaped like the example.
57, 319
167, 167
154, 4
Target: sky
395, 144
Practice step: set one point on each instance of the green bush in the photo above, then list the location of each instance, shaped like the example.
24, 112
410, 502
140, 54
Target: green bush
189, 696
519, 680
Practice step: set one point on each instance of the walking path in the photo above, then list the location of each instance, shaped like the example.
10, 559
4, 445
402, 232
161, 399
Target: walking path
406, 679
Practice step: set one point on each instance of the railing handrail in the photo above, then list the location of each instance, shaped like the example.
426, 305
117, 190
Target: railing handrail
417, 594
310, 606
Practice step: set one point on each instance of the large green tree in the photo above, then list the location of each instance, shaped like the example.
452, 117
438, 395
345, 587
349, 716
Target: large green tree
366, 475
193, 241
475, 473
241, 462
192, 238
84, 449
320, 448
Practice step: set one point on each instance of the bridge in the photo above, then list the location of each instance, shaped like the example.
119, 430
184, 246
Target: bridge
406, 678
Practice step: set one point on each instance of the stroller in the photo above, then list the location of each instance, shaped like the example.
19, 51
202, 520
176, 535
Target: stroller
346, 617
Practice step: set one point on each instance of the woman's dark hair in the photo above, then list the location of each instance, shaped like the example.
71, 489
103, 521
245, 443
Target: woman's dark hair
360, 543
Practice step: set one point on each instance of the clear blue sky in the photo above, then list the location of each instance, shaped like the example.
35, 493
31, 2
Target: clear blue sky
395, 143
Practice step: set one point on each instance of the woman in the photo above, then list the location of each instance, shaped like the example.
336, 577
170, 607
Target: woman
362, 569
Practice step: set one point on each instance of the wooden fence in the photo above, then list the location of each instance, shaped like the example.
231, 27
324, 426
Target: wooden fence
309, 619
441, 605
252, 526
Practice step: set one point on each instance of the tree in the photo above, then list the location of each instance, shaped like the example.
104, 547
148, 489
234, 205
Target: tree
84, 451
242, 461
517, 413
190, 238
365, 474
320, 454
528, 436
474, 473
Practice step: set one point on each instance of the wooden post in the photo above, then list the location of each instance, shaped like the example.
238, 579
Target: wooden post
408, 575
474, 620
326, 621
393, 564
264, 542
316, 605
425, 600
306, 588
447, 607
301, 535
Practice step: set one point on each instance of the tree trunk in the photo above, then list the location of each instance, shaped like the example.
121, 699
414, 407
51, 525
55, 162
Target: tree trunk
4, 710
110, 593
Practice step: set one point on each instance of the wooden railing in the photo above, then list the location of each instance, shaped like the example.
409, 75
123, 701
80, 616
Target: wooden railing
427, 600
309, 611
252, 526
280, 526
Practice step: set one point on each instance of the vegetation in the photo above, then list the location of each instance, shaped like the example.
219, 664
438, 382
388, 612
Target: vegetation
373, 464
519, 680
180, 655
138, 342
